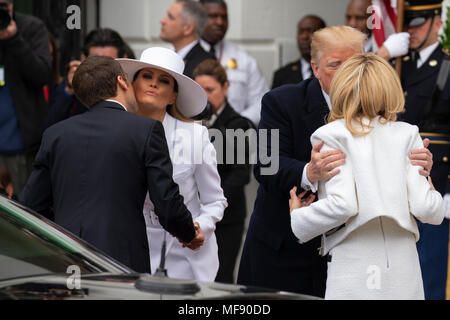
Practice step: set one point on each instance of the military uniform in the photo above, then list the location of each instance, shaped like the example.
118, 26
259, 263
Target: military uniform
247, 84
431, 112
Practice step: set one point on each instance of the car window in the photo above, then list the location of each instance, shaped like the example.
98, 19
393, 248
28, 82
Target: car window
30, 248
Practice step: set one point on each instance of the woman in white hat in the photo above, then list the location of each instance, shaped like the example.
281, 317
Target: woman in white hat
163, 93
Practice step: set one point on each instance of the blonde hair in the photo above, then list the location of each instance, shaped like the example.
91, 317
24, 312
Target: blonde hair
331, 38
365, 86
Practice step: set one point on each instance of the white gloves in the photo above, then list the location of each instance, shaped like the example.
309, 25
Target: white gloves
397, 44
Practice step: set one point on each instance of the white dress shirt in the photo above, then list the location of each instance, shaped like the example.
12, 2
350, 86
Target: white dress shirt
111, 100
183, 52
247, 85
306, 69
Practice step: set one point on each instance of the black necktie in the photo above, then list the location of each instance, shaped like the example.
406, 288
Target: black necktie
212, 52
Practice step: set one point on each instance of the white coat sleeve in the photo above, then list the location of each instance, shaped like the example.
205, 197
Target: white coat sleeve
330, 212
424, 203
212, 199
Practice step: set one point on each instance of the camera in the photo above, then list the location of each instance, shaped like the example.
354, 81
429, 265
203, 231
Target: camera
5, 18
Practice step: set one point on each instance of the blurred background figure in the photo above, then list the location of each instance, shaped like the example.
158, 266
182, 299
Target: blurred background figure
356, 16
183, 26
24, 70
6, 187
100, 42
247, 85
299, 70
56, 78
212, 77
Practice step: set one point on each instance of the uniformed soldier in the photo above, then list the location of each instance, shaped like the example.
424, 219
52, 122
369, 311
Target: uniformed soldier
427, 93
247, 85
300, 70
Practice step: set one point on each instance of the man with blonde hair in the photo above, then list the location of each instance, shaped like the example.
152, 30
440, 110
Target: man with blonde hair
272, 256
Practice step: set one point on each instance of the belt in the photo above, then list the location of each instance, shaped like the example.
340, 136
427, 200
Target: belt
436, 138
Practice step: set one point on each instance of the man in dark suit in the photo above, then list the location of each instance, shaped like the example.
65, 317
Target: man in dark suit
95, 169
299, 70
427, 105
183, 27
272, 256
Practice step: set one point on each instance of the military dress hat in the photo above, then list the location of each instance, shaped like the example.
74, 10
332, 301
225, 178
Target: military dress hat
417, 12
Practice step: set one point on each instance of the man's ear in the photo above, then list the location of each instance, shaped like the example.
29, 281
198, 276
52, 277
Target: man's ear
188, 29
122, 83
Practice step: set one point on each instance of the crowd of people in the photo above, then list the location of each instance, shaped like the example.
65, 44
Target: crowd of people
117, 150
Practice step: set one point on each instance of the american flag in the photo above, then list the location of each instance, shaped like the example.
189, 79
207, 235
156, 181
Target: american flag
384, 20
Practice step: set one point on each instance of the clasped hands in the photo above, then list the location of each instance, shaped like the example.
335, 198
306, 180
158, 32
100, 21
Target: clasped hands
197, 242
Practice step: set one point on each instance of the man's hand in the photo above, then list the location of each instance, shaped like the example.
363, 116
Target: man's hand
422, 157
322, 166
198, 241
9, 32
297, 201
73, 66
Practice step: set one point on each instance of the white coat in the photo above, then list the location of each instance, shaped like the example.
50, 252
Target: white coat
195, 171
377, 180
247, 84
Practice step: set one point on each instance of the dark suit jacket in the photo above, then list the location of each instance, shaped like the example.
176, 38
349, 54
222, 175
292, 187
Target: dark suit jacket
196, 56
289, 74
281, 262
419, 85
95, 170
233, 176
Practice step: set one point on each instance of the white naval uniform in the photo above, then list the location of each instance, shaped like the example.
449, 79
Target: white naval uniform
247, 84
377, 194
195, 171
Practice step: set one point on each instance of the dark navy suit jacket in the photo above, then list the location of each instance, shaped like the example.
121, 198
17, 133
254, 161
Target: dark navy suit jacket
272, 257
95, 169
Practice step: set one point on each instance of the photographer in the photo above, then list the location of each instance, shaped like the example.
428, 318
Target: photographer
24, 71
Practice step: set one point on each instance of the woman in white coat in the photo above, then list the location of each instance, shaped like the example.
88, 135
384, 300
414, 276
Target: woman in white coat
165, 94
366, 213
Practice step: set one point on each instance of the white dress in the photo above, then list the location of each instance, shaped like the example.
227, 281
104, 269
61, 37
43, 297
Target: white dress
375, 198
195, 171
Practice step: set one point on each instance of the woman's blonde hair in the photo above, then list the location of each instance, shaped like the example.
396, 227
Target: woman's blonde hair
365, 86
172, 109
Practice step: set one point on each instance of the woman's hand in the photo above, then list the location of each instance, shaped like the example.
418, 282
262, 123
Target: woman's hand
297, 202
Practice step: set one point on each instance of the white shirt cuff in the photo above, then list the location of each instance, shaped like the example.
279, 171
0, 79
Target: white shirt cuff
447, 205
306, 184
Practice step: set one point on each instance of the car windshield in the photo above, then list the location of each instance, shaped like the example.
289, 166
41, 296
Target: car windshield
31, 246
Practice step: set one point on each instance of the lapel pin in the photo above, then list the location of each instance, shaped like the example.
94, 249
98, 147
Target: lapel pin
407, 58
433, 63
294, 68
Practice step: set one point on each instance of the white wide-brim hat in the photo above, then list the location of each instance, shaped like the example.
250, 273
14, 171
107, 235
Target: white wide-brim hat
191, 99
